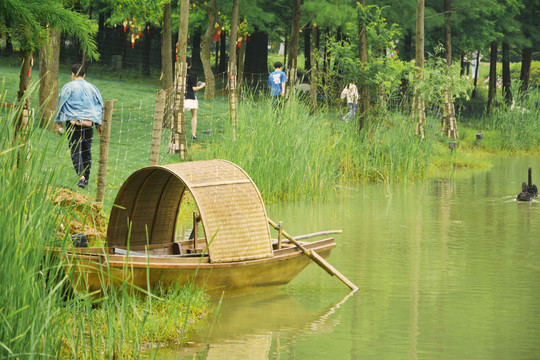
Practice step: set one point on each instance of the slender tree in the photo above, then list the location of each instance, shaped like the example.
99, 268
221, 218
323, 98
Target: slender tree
492, 74
49, 59
506, 79
233, 72
418, 106
166, 48
363, 56
178, 144
449, 124
314, 68
292, 64
213, 26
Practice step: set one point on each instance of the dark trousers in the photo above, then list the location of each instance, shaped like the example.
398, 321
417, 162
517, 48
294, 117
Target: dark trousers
80, 145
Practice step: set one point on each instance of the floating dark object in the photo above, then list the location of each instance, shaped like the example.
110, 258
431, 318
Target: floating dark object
479, 137
531, 189
452, 145
528, 191
524, 194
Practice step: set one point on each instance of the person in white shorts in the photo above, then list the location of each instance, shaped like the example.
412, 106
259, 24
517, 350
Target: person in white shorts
190, 100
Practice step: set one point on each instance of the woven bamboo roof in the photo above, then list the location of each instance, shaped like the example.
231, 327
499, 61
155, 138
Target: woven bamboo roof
232, 212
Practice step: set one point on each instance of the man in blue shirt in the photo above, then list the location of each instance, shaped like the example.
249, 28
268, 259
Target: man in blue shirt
80, 106
277, 80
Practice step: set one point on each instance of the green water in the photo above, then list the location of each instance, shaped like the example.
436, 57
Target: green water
447, 269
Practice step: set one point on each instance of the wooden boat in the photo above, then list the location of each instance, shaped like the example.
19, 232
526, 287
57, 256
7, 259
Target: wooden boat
234, 253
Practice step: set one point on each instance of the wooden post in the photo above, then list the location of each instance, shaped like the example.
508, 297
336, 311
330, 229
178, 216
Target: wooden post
280, 234
232, 97
178, 143
195, 230
104, 150
158, 124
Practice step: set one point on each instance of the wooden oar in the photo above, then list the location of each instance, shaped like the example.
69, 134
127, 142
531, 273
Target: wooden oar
317, 259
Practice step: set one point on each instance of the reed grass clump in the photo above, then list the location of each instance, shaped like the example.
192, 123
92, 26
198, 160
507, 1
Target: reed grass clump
40, 316
291, 153
516, 125
288, 152
30, 303
387, 150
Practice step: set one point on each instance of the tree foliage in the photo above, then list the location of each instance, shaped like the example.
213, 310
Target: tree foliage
27, 22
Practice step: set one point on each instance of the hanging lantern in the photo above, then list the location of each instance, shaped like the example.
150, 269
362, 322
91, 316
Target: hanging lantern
125, 23
132, 41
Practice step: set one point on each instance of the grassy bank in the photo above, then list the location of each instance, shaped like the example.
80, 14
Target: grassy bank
39, 319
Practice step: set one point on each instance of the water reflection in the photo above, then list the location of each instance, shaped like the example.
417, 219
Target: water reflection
259, 326
447, 269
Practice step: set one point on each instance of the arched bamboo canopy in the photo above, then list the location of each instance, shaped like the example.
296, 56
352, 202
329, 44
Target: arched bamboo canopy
232, 212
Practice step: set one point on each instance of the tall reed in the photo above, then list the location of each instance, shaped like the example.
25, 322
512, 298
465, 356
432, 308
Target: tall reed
287, 152
30, 304
293, 154
516, 124
38, 318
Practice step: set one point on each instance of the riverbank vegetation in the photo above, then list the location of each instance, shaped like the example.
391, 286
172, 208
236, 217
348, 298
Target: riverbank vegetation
41, 317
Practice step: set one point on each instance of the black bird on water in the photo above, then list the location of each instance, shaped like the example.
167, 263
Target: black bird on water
524, 195
528, 191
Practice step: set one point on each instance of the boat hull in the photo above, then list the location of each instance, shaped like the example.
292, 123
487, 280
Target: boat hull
91, 270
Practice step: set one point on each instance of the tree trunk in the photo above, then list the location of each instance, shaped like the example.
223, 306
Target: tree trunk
314, 69
307, 50
526, 59
292, 65
178, 144
326, 53
166, 49
25, 77
49, 58
418, 106
257, 54
286, 48
507, 81
492, 75
196, 48
223, 53
233, 66
208, 37
363, 54
449, 124
241, 55
147, 49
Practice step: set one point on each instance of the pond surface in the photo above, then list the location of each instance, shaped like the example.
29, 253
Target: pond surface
447, 269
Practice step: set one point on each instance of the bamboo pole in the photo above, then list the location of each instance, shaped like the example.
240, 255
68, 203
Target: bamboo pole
317, 259
280, 234
104, 150
158, 124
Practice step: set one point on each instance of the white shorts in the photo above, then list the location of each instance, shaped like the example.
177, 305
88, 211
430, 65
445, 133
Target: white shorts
190, 104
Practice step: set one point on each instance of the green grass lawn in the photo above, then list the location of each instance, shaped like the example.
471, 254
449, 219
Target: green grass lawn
306, 155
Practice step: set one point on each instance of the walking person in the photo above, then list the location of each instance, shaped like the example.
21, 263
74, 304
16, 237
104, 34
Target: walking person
80, 108
350, 92
190, 101
276, 81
